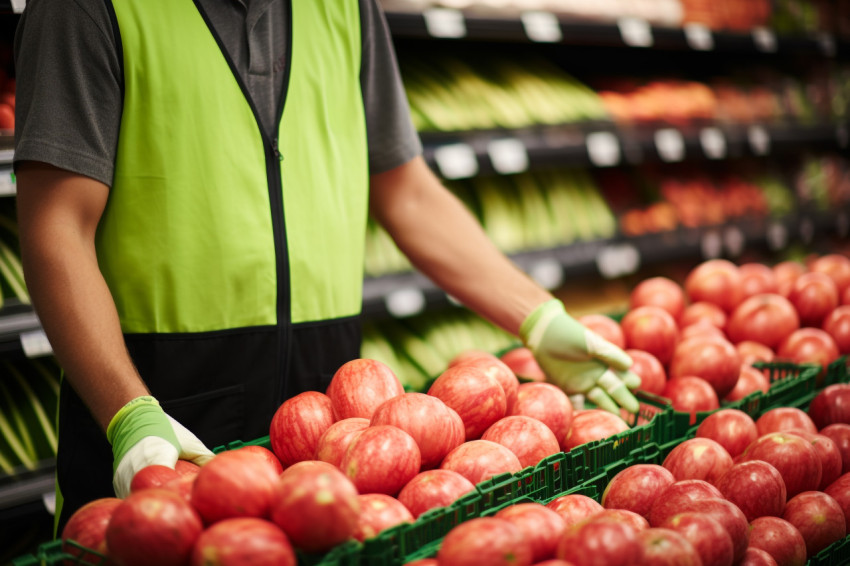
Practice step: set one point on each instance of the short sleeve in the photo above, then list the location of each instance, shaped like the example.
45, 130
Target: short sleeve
68, 91
393, 140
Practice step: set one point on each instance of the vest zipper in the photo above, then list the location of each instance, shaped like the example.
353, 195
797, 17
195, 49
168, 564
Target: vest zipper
274, 158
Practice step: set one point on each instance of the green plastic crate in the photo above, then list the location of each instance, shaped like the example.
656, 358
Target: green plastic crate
836, 554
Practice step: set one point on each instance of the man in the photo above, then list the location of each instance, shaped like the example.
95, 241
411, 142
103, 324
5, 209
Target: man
193, 186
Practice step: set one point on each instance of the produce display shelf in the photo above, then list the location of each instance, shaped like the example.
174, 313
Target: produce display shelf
404, 294
543, 27
457, 155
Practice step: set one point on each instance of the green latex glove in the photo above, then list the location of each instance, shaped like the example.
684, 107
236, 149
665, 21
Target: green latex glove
578, 360
141, 435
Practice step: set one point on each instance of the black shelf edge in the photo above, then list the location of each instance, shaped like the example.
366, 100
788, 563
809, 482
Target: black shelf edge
619, 256
470, 153
513, 28
27, 487
16, 319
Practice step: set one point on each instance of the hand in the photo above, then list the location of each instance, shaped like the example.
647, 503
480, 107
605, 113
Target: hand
142, 435
578, 360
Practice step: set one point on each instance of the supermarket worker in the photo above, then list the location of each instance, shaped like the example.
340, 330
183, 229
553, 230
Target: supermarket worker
193, 182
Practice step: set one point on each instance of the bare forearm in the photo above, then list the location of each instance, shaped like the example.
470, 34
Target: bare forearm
74, 303
445, 242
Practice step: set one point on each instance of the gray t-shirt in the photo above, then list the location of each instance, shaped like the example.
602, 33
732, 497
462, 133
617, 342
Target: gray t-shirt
68, 71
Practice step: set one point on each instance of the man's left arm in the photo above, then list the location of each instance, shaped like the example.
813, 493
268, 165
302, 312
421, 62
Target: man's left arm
444, 241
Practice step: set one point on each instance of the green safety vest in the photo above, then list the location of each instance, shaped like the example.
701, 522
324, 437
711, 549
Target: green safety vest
210, 225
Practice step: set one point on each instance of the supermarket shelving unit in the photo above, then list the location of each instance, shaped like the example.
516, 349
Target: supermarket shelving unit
594, 145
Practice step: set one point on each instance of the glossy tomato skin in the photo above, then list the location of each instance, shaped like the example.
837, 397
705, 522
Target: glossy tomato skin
713, 359
593, 424
717, 281
651, 329
606, 327
87, 528
837, 325
243, 541
297, 426
837, 267
485, 540
359, 386
814, 296
702, 311
381, 459
433, 488
660, 292
548, 404
479, 460
652, 375
476, 397
767, 319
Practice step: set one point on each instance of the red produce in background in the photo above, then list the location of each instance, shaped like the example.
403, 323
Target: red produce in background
548, 404
756, 487
539, 525
845, 299
840, 435
671, 500
783, 419
436, 428
702, 311
700, 330
830, 458
732, 429
666, 547
780, 539
612, 543
359, 386
257, 450
839, 490
767, 319
152, 476
814, 296
433, 488
485, 540
716, 281
381, 459
477, 398
730, 517
87, 527
818, 517
498, 370
637, 522
245, 540
836, 266
316, 506
479, 460
757, 557
751, 352
606, 327
234, 484
659, 292
529, 439
651, 329
794, 458
653, 378
153, 526
593, 424
713, 359
809, 345
831, 405
691, 394
708, 537
787, 273
636, 488
749, 381
698, 459
575, 508
756, 279
187, 468
523, 363
335, 440
377, 513
837, 325
297, 426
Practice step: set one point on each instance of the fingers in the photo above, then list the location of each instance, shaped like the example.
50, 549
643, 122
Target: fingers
606, 352
619, 392
598, 397
630, 378
147, 452
191, 448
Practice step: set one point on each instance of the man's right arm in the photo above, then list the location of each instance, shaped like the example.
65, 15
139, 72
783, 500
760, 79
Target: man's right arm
58, 214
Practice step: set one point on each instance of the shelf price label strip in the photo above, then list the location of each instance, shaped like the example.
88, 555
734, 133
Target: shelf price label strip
635, 32
603, 149
670, 145
542, 27
713, 143
404, 302
698, 37
508, 156
456, 161
765, 40
35, 344
445, 23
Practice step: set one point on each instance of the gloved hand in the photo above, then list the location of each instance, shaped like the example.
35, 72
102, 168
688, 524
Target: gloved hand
578, 360
141, 434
